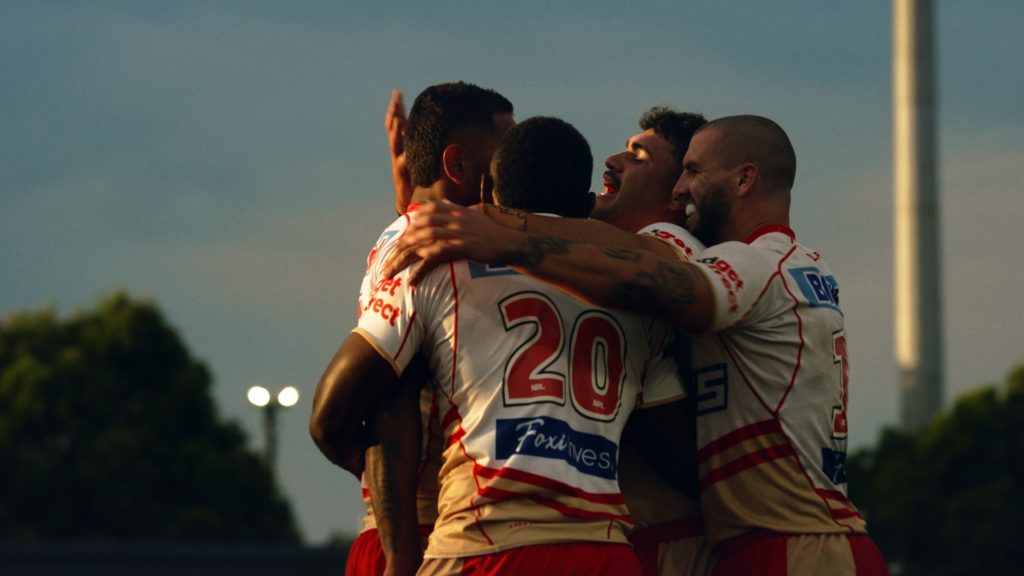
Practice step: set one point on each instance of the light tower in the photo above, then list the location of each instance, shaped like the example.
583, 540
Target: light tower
918, 285
261, 398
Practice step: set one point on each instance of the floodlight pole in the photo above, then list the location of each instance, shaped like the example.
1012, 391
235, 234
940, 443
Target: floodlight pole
918, 285
261, 398
270, 435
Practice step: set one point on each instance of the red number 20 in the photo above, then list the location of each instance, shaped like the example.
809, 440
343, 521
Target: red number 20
596, 357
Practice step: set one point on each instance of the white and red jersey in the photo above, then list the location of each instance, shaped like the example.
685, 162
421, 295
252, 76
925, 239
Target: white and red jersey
771, 382
650, 500
430, 451
535, 389
685, 245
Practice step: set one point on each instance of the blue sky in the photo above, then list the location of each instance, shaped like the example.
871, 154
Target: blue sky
228, 160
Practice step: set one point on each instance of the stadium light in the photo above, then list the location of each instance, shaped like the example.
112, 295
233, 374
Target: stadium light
261, 398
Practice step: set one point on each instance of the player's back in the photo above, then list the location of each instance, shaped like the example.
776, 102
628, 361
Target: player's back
536, 388
771, 415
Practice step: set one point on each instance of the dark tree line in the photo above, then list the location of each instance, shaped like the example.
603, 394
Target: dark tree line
949, 499
108, 432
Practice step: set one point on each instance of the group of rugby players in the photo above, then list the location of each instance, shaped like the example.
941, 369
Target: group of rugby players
650, 381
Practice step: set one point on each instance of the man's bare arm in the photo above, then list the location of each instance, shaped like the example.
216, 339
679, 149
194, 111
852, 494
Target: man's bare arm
610, 276
392, 472
394, 124
616, 277
578, 229
350, 387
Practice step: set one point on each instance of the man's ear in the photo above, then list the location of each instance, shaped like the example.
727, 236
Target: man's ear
746, 176
486, 189
454, 163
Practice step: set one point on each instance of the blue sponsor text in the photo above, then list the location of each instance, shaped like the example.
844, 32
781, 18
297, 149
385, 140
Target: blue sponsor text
552, 438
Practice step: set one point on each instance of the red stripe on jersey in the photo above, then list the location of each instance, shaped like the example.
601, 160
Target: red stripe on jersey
839, 497
613, 499
455, 330
746, 462
450, 416
768, 229
498, 494
724, 343
738, 436
844, 514
405, 337
832, 495
457, 436
743, 375
799, 330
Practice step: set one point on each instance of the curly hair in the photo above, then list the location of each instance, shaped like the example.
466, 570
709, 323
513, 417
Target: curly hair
676, 127
438, 113
544, 164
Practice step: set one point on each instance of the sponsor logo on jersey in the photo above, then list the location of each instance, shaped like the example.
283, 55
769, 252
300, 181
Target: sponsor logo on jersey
547, 437
731, 280
386, 310
820, 291
672, 238
383, 301
833, 464
478, 270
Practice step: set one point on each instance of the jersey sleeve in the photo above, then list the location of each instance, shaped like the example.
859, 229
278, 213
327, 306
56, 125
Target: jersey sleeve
684, 244
388, 319
738, 275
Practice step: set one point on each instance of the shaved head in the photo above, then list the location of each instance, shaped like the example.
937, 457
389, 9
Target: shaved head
757, 140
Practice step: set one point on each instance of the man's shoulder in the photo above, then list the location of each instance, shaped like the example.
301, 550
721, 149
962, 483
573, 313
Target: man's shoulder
682, 242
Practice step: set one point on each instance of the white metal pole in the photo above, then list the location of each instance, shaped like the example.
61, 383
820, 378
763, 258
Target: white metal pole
918, 299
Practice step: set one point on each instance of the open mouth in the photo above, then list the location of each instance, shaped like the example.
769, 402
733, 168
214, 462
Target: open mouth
611, 185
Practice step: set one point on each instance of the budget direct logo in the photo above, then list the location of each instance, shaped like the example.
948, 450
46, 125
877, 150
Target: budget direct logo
553, 438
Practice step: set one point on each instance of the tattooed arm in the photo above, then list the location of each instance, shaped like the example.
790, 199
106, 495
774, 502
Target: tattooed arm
392, 471
365, 419
610, 276
577, 229
618, 277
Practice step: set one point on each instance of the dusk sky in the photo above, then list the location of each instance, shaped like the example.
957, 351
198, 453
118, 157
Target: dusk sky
228, 161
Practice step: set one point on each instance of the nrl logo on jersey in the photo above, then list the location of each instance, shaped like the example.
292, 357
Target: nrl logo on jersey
819, 290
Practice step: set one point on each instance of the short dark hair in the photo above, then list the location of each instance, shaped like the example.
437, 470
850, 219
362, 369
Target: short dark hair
438, 113
759, 140
675, 127
544, 164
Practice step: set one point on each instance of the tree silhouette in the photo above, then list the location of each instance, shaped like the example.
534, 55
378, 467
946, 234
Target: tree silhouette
947, 500
108, 432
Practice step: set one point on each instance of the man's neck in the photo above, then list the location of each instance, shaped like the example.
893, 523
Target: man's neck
434, 193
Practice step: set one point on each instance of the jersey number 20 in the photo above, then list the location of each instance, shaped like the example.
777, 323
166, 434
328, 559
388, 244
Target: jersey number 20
535, 372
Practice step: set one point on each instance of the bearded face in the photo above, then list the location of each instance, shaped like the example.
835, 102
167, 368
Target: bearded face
713, 209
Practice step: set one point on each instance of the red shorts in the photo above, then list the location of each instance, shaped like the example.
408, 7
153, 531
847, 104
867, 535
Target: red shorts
366, 555
773, 554
568, 558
